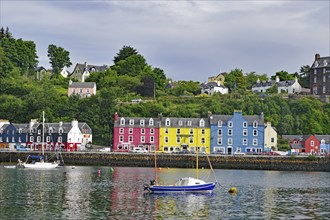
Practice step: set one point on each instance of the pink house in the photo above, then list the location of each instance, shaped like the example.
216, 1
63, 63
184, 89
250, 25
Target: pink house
85, 89
135, 132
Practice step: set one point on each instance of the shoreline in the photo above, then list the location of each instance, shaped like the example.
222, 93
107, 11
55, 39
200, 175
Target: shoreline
246, 162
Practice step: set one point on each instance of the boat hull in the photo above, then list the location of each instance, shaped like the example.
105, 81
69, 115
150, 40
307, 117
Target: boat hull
202, 188
41, 165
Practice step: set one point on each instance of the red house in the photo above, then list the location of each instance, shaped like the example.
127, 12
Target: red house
130, 133
308, 144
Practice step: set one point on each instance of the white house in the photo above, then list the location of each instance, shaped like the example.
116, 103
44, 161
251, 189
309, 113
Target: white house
289, 86
82, 71
64, 72
212, 87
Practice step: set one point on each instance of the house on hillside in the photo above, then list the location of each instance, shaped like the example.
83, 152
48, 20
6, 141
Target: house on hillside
64, 72
289, 86
320, 76
212, 87
82, 89
41, 71
82, 71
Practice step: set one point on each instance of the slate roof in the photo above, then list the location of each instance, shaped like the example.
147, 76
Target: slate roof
137, 122
272, 82
321, 63
225, 118
194, 122
326, 138
82, 85
91, 68
211, 85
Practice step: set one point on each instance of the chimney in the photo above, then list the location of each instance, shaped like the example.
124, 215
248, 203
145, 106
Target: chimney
277, 78
317, 56
74, 123
116, 117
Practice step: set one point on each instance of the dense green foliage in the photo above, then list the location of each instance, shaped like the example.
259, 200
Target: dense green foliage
24, 98
58, 58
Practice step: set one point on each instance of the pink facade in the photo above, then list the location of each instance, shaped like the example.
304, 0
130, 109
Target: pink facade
135, 132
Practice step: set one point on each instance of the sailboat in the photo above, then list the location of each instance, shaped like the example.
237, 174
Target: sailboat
183, 185
41, 164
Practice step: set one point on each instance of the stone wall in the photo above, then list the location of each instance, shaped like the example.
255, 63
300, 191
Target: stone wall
184, 161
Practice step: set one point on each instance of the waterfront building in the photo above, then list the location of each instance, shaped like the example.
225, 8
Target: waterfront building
308, 144
184, 134
270, 137
235, 134
324, 144
13, 135
130, 133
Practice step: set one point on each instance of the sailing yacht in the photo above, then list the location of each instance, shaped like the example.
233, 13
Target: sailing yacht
41, 164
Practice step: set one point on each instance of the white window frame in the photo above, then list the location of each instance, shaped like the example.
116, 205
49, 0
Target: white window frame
130, 130
152, 139
219, 132
230, 141
130, 138
245, 141
143, 131
152, 131
230, 132
230, 124
255, 124
143, 139
131, 122
121, 138
122, 121
219, 123
168, 122
121, 130
151, 122
245, 124
178, 139
255, 141
166, 139
245, 132
219, 141
202, 123
255, 132
142, 122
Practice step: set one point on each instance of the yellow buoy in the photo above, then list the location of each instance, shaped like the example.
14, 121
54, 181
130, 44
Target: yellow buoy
232, 190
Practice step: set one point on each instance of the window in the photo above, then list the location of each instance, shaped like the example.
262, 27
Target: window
151, 122
177, 139
323, 89
324, 78
255, 132
19, 139
272, 140
255, 124
315, 71
130, 130
312, 143
245, 142
219, 123
255, 141
81, 90
315, 79
131, 122
130, 138
121, 130
230, 141
238, 149
203, 140
142, 139
167, 122
166, 140
143, 131
245, 124
20, 131
122, 121
60, 130
178, 131
219, 132
219, 141
38, 139
191, 140
121, 138
59, 139
201, 123
13, 139
141, 122
180, 123
39, 131
245, 132
87, 90
48, 138
203, 131
152, 139
191, 131
166, 130
230, 124
230, 132
31, 139
189, 123
152, 131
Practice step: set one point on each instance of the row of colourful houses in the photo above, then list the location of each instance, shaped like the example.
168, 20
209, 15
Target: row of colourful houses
309, 144
225, 134
63, 135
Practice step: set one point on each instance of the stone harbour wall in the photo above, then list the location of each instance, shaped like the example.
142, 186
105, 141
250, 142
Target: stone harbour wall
311, 163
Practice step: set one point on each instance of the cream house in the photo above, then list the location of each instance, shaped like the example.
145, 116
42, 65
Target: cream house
270, 137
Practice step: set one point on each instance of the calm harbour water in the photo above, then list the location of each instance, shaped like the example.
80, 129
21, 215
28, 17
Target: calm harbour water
81, 193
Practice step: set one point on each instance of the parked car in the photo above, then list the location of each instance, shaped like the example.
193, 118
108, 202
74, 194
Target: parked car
239, 153
21, 148
139, 150
106, 149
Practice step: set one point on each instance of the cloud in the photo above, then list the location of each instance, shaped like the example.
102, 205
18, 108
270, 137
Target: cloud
190, 40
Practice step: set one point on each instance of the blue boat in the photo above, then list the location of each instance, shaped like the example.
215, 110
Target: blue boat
183, 185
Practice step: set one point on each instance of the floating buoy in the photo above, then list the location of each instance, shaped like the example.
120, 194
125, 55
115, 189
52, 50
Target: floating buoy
232, 190
159, 168
98, 172
73, 167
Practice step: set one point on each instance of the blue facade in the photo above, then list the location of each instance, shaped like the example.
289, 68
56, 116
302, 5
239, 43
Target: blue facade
237, 133
13, 135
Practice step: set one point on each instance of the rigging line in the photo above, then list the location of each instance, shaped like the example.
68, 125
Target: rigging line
207, 156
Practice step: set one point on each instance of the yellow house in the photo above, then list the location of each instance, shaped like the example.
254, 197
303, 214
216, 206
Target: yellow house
184, 134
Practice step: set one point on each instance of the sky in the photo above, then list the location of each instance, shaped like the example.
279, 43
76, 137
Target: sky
189, 40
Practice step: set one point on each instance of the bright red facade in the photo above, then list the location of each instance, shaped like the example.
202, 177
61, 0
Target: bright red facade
311, 145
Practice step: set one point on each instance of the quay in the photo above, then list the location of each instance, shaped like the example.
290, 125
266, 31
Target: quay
248, 162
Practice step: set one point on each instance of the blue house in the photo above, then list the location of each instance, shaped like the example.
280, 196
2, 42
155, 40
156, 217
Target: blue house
324, 144
13, 135
236, 133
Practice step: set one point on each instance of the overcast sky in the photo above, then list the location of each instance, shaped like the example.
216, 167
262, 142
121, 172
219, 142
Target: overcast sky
189, 40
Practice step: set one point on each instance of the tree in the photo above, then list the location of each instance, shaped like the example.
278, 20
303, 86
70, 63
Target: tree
235, 80
251, 78
283, 75
58, 58
304, 76
124, 53
5, 65
5, 33
133, 65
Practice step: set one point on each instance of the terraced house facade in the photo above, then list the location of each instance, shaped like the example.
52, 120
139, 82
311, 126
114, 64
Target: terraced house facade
226, 134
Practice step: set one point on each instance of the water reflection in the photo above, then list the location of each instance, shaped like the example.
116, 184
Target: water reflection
81, 193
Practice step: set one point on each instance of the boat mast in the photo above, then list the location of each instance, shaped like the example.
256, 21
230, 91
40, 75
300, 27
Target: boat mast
197, 155
43, 132
156, 182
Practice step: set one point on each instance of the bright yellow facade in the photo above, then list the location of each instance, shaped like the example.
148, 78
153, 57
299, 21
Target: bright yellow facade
176, 139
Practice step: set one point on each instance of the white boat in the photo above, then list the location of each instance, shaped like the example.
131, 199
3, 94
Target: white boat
41, 164
10, 167
183, 185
